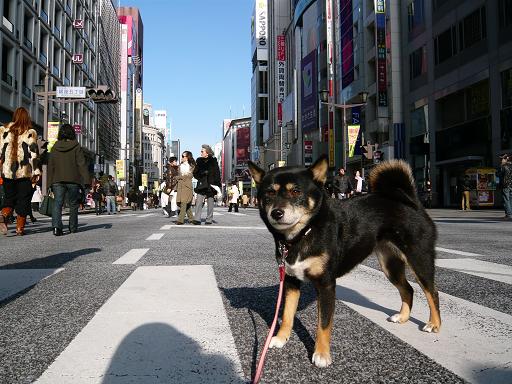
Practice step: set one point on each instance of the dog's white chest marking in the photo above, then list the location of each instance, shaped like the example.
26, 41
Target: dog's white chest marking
298, 269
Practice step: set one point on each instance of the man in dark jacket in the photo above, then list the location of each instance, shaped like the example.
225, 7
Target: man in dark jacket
505, 174
110, 189
207, 173
342, 185
67, 172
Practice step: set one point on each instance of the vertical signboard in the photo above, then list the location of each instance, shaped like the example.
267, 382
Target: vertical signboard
124, 88
330, 78
120, 170
380, 21
53, 132
347, 43
243, 141
259, 30
308, 152
309, 102
281, 77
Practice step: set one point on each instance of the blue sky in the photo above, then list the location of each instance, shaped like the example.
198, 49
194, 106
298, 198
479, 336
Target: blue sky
197, 64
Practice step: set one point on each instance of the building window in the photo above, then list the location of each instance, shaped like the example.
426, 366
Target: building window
418, 62
263, 82
416, 15
445, 45
472, 29
506, 109
505, 13
7, 64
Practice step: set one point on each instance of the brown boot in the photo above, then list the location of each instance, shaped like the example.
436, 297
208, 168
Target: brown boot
6, 212
20, 225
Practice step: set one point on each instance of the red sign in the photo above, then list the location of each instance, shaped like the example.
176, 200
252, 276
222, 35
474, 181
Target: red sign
308, 146
78, 128
281, 48
78, 58
78, 24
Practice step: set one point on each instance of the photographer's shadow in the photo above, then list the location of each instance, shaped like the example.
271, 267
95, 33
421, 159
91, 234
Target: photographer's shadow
157, 352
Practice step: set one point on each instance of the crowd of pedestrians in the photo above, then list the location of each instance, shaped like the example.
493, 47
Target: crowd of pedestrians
23, 154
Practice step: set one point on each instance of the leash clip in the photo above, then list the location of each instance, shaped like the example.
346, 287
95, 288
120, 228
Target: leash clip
283, 250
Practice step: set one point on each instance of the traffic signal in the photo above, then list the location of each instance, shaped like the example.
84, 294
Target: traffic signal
102, 94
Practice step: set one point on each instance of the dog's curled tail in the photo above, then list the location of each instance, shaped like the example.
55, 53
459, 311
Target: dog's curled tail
393, 179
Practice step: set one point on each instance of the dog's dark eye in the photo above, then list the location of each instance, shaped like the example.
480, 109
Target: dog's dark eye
295, 192
271, 192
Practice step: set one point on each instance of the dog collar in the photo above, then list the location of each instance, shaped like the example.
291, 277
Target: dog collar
284, 246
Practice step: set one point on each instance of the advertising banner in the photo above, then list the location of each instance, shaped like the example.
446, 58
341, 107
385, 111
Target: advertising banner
353, 132
243, 141
259, 30
120, 170
281, 77
380, 21
144, 178
309, 102
53, 132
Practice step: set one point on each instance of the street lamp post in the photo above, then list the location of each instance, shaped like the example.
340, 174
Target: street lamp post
324, 95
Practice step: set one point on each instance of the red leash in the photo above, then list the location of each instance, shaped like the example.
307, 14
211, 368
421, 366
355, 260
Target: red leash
261, 363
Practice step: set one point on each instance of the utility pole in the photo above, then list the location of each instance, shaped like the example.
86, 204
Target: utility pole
44, 180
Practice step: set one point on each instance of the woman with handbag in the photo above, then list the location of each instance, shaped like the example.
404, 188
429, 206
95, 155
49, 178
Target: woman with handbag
184, 192
207, 173
67, 171
19, 162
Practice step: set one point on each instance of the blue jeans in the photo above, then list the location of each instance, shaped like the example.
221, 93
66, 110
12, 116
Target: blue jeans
60, 191
110, 204
507, 201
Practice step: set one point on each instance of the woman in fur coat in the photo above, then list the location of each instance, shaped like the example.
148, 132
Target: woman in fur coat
184, 192
19, 163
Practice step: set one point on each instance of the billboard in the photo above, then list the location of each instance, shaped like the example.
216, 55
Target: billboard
243, 142
281, 77
309, 97
259, 30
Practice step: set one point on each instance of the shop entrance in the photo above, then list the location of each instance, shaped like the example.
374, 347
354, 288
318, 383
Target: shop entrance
449, 176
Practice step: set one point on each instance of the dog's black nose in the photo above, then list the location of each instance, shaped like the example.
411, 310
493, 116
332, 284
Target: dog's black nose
277, 214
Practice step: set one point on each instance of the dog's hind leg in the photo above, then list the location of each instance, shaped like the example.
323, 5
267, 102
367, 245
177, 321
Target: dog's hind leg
423, 267
392, 262
325, 307
291, 301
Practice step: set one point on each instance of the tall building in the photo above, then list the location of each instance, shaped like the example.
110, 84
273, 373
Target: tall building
427, 81
457, 60
65, 43
131, 17
236, 148
108, 66
259, 80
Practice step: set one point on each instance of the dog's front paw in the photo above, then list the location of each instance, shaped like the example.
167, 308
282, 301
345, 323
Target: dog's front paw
321, 359
397, 318
430, 327
277, 342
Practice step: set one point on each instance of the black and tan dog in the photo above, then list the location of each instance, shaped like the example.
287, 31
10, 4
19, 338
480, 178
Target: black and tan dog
320, 239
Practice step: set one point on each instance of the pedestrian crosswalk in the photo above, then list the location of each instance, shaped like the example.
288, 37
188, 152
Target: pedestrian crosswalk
163, 320
147, 330
474, 341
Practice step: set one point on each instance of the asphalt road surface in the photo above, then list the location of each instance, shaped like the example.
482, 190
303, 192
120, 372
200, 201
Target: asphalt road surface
133, 298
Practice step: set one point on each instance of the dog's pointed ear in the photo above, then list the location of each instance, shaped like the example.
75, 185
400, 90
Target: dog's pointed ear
256, 172
319, 169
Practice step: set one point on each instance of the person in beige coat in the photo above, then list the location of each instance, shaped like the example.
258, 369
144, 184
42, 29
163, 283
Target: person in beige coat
184, 188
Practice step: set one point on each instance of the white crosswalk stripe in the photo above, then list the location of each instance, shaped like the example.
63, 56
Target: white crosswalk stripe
474, 341
145, 329
491, 271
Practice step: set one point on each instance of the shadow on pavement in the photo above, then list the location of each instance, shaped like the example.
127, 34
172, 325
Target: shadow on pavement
157, 352
262, 300
354, 297
49, 262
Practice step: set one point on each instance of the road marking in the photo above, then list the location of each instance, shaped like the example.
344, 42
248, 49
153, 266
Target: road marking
213, 227
165, 324
166, 227
491, 271
132, 256
455, 252
156, 236
13, 281
474, 341
236, 214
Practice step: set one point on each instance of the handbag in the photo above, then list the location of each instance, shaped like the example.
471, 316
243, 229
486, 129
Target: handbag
202, 186
46, 207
